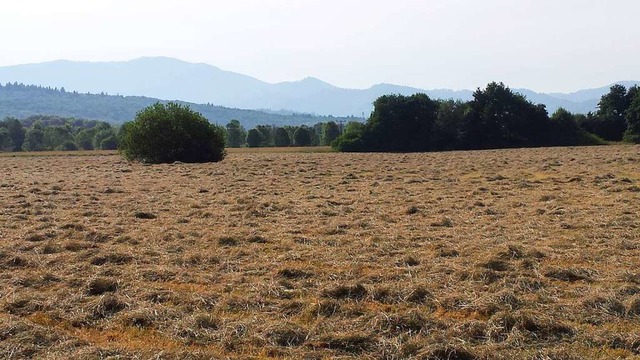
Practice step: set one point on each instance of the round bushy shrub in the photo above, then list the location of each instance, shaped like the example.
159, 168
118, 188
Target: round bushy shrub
167, 133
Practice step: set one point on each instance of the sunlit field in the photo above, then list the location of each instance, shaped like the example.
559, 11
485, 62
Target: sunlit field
281, 253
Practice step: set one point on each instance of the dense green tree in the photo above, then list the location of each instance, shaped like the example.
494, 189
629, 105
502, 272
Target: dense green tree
302, 136
447, 127
172, 132
56, 136
16, 133
330, 132
611, 123
67, 146
290, 130
267, 134
236, 134
632, 92
84, 138
34, 139
281, 138
402, 123
254, 138
351, 138
109, 143
589, 122
565, 131
501, 118
398, 123
632, 116
5, 140
354, 127
101, 135
316, 134
564, 120
103, 125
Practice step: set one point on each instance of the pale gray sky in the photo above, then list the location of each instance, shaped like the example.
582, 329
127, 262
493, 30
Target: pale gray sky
544, 45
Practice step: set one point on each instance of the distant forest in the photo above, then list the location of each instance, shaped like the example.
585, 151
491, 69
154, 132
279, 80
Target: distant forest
22, 101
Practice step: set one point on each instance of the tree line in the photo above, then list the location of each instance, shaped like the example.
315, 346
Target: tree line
46, 133
320, 134
496, 117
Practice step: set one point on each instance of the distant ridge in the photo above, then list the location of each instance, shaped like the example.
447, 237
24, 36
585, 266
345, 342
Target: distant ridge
168, 78
22, 101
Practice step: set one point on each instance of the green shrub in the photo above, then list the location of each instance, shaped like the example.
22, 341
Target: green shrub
172, 132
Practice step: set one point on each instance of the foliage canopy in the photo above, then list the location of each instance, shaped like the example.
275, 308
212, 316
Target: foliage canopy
167, 133
495, 118
302, 137
632, 115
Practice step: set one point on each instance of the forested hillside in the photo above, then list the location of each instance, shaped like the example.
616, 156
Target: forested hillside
21, 101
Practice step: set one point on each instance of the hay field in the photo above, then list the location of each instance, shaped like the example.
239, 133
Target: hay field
528, 254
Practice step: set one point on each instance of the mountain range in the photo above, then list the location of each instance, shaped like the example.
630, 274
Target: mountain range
172, 79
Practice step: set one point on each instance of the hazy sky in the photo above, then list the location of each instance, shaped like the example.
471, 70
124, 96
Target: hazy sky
544, 45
